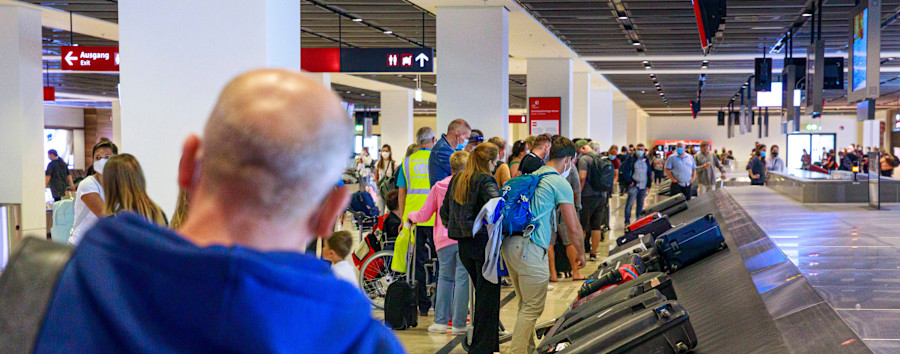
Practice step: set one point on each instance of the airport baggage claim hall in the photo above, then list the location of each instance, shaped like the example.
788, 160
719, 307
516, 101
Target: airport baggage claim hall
449, 176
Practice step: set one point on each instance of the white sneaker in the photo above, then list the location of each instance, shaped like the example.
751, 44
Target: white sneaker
459, 331
438, 328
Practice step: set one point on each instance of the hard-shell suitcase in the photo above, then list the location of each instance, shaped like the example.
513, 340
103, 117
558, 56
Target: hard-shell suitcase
669, 206
638, 245
642, 221
614, 272
589, 325
605, 298
690, 242
665, 187
663, 328
654, 228
401, 309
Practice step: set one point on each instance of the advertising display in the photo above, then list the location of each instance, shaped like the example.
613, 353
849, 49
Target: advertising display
865, 51
875, 180
815, 78
544, 113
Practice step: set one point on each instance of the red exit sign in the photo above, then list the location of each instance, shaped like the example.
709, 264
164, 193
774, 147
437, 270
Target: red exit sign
90, 58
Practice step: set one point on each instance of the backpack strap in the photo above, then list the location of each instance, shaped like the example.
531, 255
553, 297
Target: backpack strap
26, 287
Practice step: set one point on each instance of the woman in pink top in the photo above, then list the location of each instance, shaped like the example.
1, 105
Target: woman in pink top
453, 280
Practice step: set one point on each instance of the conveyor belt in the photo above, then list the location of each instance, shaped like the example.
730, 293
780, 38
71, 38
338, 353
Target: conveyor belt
726, 311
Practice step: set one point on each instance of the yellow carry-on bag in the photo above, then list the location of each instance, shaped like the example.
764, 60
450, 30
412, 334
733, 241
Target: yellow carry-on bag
404, 248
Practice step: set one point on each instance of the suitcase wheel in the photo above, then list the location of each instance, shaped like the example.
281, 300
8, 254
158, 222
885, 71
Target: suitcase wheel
673, 267
681, 347
710, 217
723, 245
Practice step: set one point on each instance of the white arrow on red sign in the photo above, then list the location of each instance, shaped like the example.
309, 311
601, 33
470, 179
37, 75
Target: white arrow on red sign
70, 57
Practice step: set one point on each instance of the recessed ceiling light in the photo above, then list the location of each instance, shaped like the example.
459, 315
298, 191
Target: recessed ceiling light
643, 91
635, 43
647, 67
623, 17
357, 20
706, 62
646, 62
388, 32
807, 14
362, 94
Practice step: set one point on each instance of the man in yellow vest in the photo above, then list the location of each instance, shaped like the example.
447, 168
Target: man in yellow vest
413, 186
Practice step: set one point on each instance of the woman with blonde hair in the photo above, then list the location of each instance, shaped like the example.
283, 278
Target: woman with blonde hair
501, 171
126, 190
181, 209
468, 192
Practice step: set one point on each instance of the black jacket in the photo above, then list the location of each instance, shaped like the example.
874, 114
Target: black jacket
628, 170
458, 218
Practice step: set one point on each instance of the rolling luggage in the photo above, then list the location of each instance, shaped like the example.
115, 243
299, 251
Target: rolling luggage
654, 228
642, 221
663, 328
615, 272
689, 242
588, 326
601, 300
401, 309
669, 206
637, 245
665, 188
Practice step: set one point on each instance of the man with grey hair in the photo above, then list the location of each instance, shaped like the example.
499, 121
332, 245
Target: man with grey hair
456, 139
413, 186
233, 278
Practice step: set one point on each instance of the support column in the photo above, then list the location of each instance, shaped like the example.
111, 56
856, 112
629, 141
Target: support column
22, 117
632, 129
601, 118
620, 123
324, 78
117, 123
581, 105
175, 69
396, 121
553, 78
473, 72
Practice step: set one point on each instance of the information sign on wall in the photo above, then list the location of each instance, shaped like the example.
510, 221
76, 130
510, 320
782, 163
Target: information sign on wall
544, 113
517, 118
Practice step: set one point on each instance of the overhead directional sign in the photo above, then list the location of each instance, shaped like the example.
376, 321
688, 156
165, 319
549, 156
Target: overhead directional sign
415, 60
89, 58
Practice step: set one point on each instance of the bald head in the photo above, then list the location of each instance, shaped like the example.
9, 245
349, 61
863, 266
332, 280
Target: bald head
275, 136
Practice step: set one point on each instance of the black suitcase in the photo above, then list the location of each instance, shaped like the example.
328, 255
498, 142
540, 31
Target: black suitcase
613, 272
588, 326
690, 242
663, 328
602, 300
401, 308
669, 206
654, 228
665, 187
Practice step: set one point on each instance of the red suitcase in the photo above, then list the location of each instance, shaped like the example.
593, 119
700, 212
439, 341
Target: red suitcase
643, 221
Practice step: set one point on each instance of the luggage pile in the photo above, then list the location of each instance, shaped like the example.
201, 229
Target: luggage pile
629, 304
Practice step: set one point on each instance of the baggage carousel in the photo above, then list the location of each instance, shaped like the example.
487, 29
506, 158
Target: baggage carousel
750, 298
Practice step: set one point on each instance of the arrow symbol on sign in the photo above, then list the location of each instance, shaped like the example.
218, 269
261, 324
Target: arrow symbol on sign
421, 58
70, 57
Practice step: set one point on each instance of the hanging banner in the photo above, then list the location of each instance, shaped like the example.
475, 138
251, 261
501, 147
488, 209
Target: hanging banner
544, 113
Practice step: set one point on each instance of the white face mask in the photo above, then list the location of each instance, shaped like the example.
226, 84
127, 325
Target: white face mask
385, 155
100, 164
565, 173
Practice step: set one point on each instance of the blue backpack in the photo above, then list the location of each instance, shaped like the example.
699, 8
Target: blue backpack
517, 195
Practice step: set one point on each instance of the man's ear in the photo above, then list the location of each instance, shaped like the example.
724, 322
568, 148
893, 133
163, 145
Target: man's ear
188, 167
331, 208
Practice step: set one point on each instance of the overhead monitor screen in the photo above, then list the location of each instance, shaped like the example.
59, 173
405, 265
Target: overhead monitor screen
860, 49
773, 98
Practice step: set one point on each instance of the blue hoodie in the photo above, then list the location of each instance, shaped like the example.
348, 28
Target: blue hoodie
132, 286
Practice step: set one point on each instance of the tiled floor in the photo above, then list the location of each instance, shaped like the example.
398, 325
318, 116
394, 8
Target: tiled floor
419, 340
850, 254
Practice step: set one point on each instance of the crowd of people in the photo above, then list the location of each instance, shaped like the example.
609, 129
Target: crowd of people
277, 136
853, 157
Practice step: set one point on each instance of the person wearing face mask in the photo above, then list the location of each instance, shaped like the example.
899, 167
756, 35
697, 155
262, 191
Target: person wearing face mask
757, 166
638, 173
477, 137
384, 173
501, 171
681, 170
89, 197
707, 163
526, 257
456, 139
774, 163
519, 150
535, 159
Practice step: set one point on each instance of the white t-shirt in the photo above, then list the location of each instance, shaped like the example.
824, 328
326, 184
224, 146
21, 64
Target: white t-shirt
84, 217
345, 271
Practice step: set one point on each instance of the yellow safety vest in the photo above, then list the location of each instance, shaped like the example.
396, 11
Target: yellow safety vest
415, 169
